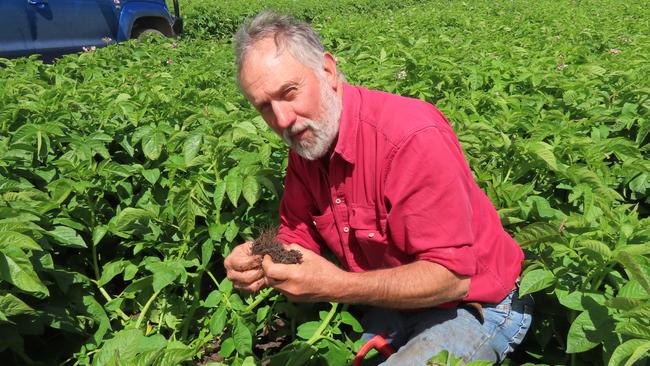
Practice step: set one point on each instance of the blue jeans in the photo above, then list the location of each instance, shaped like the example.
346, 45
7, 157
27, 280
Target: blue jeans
420, 335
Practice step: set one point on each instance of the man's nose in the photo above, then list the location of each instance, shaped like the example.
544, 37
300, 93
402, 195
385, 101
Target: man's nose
284, 115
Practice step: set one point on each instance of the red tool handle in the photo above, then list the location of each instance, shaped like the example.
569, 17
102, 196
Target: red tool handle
378, 342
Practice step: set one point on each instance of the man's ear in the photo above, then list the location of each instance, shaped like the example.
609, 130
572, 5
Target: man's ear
329, 67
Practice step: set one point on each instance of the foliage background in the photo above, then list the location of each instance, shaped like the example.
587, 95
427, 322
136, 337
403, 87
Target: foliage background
128, 173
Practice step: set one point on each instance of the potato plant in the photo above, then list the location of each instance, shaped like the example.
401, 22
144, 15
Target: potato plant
128, 173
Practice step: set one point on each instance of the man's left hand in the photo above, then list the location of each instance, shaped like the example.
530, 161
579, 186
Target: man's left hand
315, 279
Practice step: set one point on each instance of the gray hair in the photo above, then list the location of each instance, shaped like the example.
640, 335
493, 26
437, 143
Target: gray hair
299, 38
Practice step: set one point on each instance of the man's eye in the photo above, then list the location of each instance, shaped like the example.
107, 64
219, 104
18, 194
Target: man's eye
290, 92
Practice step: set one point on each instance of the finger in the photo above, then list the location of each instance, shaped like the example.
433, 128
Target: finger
275, 271
245, 277
242, 262
294, 246
258, 285
304, 251
252, 287
277, 284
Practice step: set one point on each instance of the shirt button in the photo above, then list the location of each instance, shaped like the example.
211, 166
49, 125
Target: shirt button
337, 201
346, 229
314, 222
371, 235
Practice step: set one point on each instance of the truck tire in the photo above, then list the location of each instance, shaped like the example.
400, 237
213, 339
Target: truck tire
142, 34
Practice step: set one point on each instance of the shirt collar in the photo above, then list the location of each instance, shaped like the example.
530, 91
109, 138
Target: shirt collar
349, 124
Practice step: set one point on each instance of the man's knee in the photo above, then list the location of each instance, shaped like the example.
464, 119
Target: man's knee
462, 335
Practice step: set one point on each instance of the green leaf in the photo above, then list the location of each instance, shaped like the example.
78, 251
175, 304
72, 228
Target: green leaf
233, 187
128, 219
543, 208
634, 269
207, 248
227, 347
98, 233
544, 152
151, 175
152, 145
251, 190
577, 339
248, 361
479, 363
125, 345
623, 303
10, 306
596, 247
538, 232
638, 353
110, 270
589, 329
633, 328
633, 290
306, 330
262, 313
185, 211
60, 190
67, 237
15, 239
219, 194
96, 310
641, 311
218, 320
536, 280
295, 354
140, 285
164, 273
16, 269
242, 337
336, 353
216, 231
191, 146
626, 349
231, 231
347, 318
226, 286
213, 299
644, 130
578, 300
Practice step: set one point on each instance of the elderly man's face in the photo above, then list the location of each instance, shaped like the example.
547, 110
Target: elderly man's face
297, 103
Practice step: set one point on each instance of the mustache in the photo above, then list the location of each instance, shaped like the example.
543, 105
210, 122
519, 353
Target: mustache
299, 127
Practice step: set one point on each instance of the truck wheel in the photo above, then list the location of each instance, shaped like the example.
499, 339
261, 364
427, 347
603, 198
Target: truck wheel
146, 33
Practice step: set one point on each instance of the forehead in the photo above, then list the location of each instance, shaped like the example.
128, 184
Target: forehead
264, 68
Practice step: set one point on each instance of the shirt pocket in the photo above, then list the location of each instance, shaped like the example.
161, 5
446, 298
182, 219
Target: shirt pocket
369, 232
326, 228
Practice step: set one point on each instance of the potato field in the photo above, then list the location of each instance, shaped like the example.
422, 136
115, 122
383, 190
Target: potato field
129, 172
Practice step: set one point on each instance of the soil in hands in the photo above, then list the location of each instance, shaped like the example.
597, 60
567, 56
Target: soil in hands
267, 244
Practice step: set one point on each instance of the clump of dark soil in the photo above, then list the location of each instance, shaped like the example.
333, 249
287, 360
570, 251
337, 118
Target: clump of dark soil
267, 244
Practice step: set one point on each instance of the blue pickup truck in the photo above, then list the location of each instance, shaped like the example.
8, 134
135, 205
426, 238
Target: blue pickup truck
55, 27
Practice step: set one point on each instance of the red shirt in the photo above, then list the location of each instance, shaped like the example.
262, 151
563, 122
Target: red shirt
396, 189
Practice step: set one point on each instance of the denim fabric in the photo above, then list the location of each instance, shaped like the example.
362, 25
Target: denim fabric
422, 334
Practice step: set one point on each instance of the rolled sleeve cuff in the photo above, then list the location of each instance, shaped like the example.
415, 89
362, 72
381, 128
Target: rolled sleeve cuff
305, 240
459, 260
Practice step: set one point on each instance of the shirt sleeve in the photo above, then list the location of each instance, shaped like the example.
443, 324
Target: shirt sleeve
428, 189
295, 211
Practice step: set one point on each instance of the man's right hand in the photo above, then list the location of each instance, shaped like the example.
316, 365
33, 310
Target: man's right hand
244, 269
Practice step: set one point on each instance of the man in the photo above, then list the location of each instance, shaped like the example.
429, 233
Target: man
380, 181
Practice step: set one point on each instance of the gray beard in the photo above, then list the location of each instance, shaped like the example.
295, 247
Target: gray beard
324, 130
